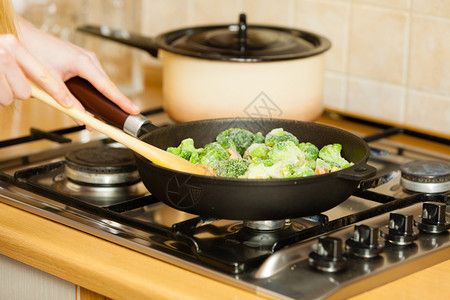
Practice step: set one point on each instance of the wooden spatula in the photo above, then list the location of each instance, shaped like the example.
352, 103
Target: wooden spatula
156, 155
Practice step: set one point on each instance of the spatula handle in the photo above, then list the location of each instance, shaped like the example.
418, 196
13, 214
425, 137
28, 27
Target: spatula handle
156, 155
100, 106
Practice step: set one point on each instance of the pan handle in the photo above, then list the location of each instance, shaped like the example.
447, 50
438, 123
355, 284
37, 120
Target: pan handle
122, 36
100, 106
359, 173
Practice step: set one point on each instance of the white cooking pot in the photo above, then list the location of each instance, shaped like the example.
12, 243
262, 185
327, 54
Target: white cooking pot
236, 70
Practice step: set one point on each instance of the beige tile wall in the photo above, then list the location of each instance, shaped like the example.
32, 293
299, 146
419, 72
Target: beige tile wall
390, 59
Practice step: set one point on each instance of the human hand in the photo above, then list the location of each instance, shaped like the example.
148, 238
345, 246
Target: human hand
62, 61
18, 67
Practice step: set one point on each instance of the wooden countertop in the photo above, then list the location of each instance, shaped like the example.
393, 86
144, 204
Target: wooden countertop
120, 273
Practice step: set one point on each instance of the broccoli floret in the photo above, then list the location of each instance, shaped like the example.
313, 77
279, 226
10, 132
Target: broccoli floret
286, 151
184, 150
322, 167
233, 168
196, 155
332, 154
267, 162
174, 150
281, 169
310, 150
259, 138
291, 170
238, 138
256, 152
227, 144
311, 153
212, 155
279, 135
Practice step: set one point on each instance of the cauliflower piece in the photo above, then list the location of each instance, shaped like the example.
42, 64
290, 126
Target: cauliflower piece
286, 151
256, 171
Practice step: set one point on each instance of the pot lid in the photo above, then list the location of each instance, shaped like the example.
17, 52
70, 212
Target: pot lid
243, 43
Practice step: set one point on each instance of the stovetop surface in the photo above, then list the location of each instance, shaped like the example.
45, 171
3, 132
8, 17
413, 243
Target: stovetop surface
274, 262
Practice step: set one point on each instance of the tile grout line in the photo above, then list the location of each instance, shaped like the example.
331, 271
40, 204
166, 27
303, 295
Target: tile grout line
406, 59
347, 57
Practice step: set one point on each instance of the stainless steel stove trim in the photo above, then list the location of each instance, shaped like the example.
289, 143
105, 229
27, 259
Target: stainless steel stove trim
295, 256
102, 179
283, 259
114, 232
421, 187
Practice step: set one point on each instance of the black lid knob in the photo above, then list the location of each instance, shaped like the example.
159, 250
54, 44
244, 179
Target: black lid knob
242, 32
329, 256
365, 242
401, 230
433, 218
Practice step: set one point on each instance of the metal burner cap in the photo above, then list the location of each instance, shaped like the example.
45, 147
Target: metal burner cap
102, 165
425, 176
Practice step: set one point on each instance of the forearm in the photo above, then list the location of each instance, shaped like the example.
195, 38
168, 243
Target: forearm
28, 34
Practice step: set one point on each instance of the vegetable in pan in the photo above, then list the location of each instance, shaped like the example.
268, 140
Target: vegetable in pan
239, 139
239, 153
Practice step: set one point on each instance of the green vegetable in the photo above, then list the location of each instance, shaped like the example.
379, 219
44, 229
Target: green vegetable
311, 153
286, 151
322, 167
196, 155
233, 168
278, 155
212, 155
310, 150
279, 135
256, 171
332, 154
184, 150
259, 138
238, 138
256, 152
291, 170
281, 169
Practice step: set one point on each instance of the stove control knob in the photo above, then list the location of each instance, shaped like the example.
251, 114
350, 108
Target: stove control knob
433, 218
365, 242
401, 230
329, 256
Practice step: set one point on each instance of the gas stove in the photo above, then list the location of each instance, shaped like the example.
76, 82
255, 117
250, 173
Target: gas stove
395, 223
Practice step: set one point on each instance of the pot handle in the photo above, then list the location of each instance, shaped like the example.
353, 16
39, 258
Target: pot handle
122, 36
100, 106
242, 33
357, 174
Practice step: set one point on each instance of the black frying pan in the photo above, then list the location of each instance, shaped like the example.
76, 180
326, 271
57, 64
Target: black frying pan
239, 199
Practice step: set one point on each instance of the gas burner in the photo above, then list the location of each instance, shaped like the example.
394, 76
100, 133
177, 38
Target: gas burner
425, 176
270, 225
102, 165
102, 176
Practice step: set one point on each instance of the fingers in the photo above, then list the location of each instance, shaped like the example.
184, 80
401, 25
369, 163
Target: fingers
13, 83
18, 65
6, 95
43, 77
90, 69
